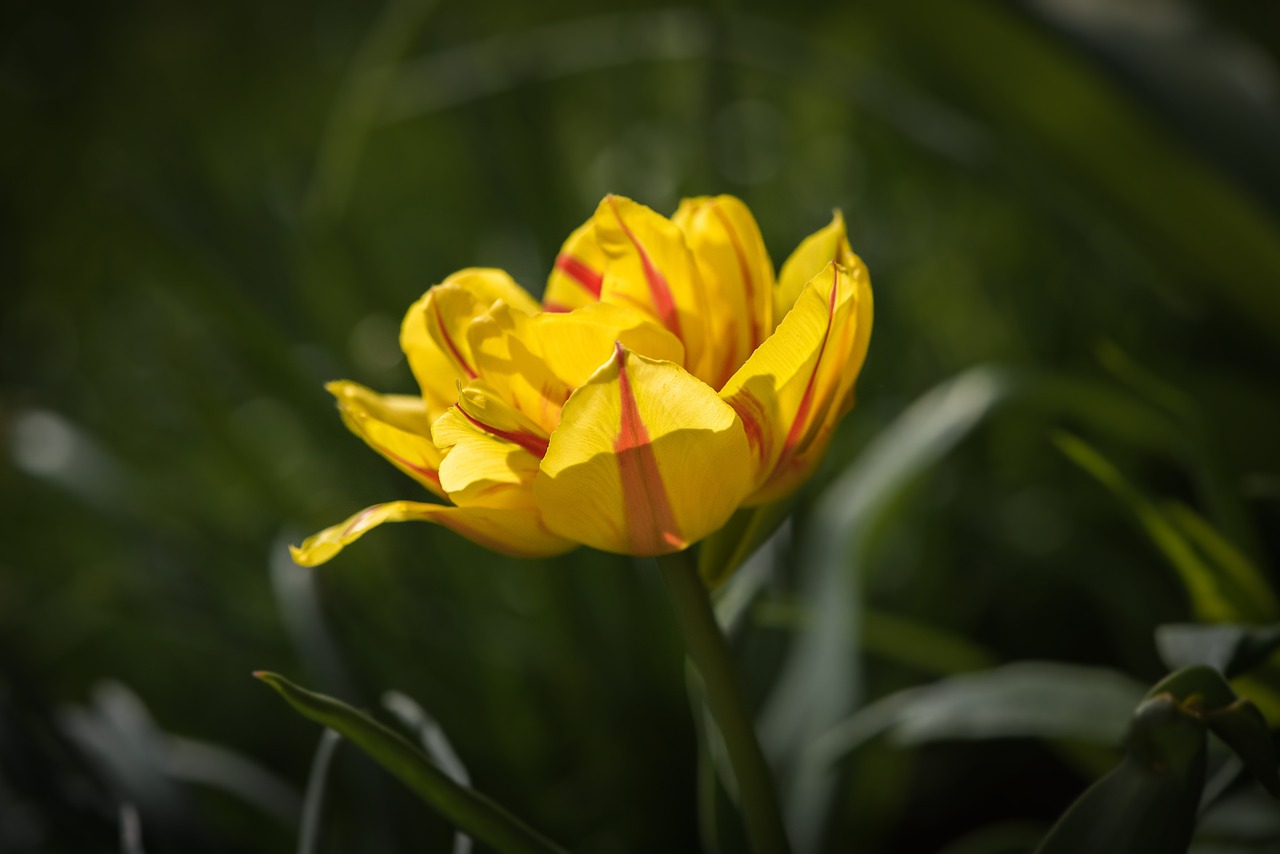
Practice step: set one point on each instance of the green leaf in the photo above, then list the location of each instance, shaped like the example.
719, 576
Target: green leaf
1206, 232
1036, 699
920, 645
1030, 699
899, 639
1231, 649
310, 831
1198, 687
1148, 803
1201, 450
723, 552
1205, 694
1216, 595
819, 684
1243, 728
435, 743
468, 810
1222, 554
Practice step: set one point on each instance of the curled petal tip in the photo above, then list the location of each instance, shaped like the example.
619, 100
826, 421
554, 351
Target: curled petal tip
308, 555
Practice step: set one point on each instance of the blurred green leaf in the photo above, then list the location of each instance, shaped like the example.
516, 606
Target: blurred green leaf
1032, 699
1024, 699
1224, 556
1231, 649
372, 73
311, 829
818, 684
193, 761
720, 554
1246, 819
433, 739
916, 644
121, 739
1204, 231
1202, 454
904, 641
1242, 728
130, 830
1216, 594
468, 810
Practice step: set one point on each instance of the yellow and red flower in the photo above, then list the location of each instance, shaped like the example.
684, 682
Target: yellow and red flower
665, 381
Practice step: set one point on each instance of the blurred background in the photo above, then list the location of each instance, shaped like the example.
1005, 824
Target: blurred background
1071, 214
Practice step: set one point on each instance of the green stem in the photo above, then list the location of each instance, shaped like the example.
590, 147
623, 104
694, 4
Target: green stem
709, 652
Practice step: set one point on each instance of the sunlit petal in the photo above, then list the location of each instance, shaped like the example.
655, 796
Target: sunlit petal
395, 426
434, 332
646, 461
792, 390
578, 272
827, 244
517, 532
725, 240
651, 269
480, 468
534, 362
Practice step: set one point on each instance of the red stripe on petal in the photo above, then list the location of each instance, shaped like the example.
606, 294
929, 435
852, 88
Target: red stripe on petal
651, 524
427, 472
556, 307
752, 414
535, 445
748, 281
576, 269
453, 348
659, 290
806, 402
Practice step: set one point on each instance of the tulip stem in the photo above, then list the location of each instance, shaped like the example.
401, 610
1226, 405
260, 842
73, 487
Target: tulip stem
707, 648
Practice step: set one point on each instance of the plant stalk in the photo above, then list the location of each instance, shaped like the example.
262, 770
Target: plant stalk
709, 651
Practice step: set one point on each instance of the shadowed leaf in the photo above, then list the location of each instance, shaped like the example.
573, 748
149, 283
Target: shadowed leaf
466, 809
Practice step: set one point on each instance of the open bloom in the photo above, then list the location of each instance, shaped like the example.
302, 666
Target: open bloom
665, 381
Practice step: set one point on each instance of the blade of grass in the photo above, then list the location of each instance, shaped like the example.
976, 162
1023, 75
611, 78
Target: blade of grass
310, 829
467, 809
437, 745
1215, 596
819, 684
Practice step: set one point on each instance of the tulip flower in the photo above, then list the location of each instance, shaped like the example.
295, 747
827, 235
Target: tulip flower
667, 379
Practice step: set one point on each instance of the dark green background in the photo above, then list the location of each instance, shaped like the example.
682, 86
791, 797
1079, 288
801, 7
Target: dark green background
209, 210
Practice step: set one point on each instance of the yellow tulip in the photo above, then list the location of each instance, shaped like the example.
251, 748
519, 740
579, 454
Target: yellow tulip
665, 381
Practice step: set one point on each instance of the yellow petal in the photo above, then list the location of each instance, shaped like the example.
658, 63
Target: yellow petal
481, 469
481, 405
737, 272
792, 391
828, 244
534, 362
579, 269
434, 332
395, 426
651, 270
515, 532
647, 460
